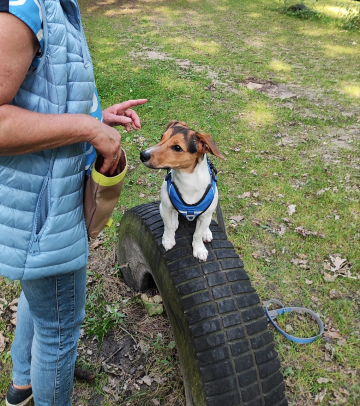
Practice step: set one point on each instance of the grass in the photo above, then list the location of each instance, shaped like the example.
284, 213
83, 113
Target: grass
194, 60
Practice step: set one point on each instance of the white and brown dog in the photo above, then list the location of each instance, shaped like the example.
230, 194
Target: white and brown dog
190, 186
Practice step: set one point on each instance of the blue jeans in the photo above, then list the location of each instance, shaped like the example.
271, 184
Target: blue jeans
50, 313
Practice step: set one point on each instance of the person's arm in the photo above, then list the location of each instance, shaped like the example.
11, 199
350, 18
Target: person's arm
23, 131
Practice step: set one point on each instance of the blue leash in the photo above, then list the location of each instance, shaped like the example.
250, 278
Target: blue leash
272, 314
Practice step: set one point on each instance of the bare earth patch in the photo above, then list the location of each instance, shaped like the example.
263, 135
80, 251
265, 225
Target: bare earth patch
127, 360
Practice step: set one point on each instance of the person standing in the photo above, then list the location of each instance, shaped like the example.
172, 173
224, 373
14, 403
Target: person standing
48, 131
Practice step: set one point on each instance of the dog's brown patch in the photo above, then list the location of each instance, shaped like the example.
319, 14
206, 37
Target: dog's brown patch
180, 148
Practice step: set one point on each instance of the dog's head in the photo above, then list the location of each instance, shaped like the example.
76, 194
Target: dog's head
180, 148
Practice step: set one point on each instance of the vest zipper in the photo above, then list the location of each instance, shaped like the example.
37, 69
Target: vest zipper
34, 248
84, 47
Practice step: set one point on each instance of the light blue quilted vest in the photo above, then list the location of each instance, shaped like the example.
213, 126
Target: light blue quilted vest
42, 229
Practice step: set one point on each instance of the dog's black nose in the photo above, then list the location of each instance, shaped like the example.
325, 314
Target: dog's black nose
144, 156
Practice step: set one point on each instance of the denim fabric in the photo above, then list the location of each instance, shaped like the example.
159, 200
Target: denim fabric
50, 313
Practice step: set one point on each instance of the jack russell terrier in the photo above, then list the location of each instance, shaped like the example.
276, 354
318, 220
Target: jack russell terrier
190, 185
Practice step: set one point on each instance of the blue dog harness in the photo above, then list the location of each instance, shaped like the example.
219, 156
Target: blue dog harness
191, 211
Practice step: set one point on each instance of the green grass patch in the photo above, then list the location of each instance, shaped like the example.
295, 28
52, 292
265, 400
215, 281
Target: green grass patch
292, 139
194, 62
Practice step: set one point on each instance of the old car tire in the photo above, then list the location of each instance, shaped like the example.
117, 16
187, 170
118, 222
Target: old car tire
226, 351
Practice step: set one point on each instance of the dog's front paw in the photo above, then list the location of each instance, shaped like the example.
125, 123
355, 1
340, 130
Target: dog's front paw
168, 243
207, 236
200, 252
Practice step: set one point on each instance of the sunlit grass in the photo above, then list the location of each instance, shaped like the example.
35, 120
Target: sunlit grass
351, 90
319, 63
279, 66
288, 144
339, 50
340, 10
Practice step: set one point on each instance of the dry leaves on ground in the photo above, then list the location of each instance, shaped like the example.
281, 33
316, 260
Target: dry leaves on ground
301, 261
338, 267
236, 219
291, 209
305, 233
244, 195
3, 342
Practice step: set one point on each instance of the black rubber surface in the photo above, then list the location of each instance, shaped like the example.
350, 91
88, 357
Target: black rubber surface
225, 349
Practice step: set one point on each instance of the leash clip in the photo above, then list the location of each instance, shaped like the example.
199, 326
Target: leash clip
273, 314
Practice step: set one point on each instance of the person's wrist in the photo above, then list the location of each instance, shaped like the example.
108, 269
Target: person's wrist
90, 129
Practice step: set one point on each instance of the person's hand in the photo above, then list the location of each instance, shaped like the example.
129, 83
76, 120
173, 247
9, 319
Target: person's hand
107, 142
122, 114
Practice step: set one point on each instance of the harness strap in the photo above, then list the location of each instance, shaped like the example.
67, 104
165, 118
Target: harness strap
192, 211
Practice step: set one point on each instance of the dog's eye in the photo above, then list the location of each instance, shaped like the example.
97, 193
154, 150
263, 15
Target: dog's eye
177, 148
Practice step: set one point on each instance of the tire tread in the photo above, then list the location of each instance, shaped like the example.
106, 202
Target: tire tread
234, 349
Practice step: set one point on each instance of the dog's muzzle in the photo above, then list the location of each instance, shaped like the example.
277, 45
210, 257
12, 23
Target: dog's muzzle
144, 156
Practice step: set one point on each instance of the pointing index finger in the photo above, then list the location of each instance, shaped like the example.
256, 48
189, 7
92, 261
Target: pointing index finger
131, 103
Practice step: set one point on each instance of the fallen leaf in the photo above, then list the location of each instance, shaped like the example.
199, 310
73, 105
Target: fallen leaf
291, 209
329, 278
320, 192
147, 380
327, 266
172, 345
332, 334
309, 282
320, 396
2, 342
96, 244
151, 307
339, 399
237, 218
280, 231
337, 262
255, 255
256, 194
141, 195
244, 195
156, 402
305, 233
323, 380
328, 346
342, 341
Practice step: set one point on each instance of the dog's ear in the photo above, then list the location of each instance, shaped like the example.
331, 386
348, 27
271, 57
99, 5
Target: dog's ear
206, 144
175, 122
